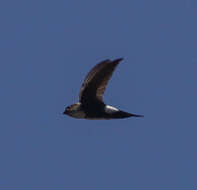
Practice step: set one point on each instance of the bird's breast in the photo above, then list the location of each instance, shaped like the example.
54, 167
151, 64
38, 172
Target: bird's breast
78, 114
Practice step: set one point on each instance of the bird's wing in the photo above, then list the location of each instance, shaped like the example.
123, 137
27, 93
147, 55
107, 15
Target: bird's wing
94, 85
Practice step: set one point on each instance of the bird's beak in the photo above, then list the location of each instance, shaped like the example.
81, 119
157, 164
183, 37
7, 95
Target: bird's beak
65, 112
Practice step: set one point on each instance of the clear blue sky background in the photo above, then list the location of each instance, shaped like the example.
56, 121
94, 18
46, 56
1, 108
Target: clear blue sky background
46, 49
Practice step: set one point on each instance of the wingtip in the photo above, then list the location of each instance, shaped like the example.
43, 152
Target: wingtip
118, 60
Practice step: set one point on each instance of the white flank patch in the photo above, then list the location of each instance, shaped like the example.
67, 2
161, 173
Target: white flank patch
110, 109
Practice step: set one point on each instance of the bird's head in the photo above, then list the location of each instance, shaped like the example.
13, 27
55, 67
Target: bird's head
74, 110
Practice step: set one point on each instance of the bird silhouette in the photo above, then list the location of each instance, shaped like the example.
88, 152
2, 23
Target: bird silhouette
91, 104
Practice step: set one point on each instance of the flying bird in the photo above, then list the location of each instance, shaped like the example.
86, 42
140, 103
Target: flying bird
91, 104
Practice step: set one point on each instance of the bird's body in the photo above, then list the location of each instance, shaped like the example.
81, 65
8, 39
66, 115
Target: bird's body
91, 105
97, 112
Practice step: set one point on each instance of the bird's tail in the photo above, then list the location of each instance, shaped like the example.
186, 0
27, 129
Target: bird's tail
135, 115
121, 114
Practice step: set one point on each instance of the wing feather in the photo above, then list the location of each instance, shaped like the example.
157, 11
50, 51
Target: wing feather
95, 83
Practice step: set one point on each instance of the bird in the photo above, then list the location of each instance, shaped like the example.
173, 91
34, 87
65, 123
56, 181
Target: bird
91, 105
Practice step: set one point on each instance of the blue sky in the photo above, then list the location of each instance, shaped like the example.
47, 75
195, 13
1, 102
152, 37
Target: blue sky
47, 48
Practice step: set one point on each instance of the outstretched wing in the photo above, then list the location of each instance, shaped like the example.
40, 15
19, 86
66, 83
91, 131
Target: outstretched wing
96, 81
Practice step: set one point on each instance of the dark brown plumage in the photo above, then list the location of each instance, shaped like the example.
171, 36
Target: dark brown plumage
95, 83
91, 104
